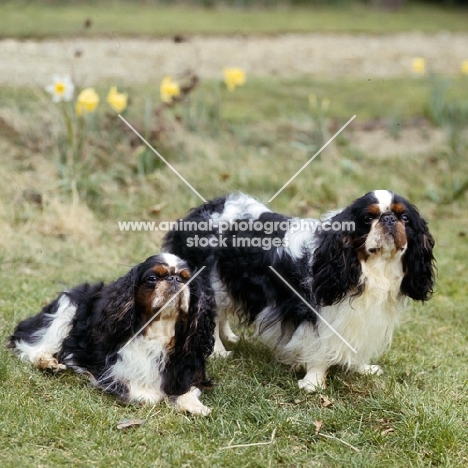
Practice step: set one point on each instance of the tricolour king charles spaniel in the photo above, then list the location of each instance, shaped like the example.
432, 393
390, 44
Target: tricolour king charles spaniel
320, 293
142, 338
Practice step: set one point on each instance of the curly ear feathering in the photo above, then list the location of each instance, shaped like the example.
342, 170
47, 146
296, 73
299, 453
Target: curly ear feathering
356, 269
143, 337
335, 269
418, 281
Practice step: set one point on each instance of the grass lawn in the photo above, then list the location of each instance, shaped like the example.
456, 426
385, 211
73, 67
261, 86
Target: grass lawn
414, 415
54, 19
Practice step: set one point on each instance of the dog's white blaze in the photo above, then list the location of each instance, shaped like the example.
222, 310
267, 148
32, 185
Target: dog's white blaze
171, 259
384, 198
48, 341
376, 239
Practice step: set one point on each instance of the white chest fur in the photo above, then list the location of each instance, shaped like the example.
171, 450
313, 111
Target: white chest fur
366, 322
352, 332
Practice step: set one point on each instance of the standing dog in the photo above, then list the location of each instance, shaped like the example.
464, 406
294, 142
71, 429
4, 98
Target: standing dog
352, 276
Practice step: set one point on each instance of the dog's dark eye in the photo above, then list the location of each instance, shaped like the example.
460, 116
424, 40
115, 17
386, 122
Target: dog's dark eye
368, 219
405, 218
152, 279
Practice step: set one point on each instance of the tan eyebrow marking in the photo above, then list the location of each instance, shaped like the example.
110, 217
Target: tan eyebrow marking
161, 270
185, 274
398, 208
374, 209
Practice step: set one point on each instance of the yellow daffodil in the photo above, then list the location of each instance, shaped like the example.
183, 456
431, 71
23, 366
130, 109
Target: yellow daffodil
169, 89
312, 100
234, 77
322, 104
86, 102
61, 88
325, 104
418, 65
464, 67
118, 101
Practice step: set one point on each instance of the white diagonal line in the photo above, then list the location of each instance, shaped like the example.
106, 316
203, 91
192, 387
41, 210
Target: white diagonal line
312, 158
172, 168
162, 308
311, 308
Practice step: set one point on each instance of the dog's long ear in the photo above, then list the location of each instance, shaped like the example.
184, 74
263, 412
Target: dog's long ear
202, 312
117, 303
335, 268
418, 260
194, 341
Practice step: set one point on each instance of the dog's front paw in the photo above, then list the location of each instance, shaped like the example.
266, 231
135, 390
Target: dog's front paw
231, 338
219, 350
312, 382
309, 386
225, 332
369, 369
190, 403
199, 410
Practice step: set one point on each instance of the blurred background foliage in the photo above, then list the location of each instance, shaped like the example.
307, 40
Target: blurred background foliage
44, 18
242, 3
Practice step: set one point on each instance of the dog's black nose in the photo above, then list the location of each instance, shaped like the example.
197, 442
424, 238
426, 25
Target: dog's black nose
388, 218
174, 279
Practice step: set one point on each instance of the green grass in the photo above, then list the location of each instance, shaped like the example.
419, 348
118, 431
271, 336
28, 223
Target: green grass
39, 20
368, 99
413, 416
62, 421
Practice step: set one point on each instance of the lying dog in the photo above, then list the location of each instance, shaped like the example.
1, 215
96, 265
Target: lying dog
319, 294
142, 338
